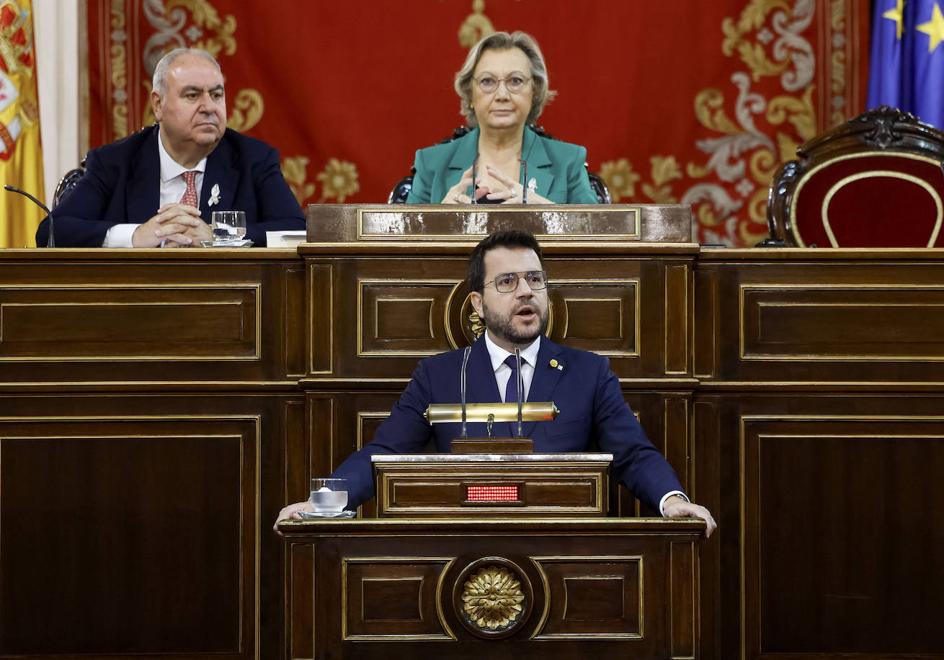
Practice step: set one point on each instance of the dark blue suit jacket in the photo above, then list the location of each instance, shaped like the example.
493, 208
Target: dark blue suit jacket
592, 410
122, 183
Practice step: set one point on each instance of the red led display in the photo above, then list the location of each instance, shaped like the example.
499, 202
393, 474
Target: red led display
491, 493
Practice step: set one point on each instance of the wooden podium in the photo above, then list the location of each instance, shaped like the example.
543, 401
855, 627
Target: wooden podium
494, 485
471, 550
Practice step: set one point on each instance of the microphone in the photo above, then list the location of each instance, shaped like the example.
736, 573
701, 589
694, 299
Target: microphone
524, 183
465, 361
520, 389
52, 240
475, 165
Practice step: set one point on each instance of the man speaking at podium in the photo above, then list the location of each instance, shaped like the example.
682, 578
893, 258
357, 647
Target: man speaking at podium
509, 292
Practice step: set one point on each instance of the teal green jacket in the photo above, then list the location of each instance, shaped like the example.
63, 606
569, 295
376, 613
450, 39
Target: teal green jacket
557, 168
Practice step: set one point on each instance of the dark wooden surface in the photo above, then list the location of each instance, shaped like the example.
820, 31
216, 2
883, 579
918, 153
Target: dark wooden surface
592, 588
438, 488
798, 393
819, 434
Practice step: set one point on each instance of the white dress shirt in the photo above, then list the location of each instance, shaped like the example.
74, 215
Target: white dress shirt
529, 358
498, 355
173, 188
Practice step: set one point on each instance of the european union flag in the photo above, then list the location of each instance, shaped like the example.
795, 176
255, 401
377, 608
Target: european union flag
907, 63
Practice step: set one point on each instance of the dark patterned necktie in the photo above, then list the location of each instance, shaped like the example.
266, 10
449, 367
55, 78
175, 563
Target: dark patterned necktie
190, 194
511, 389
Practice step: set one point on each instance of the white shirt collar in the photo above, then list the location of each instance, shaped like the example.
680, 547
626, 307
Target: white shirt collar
170, 168
498, 354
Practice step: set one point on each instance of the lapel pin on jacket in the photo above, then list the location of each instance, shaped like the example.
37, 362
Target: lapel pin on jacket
556, 365
214, 195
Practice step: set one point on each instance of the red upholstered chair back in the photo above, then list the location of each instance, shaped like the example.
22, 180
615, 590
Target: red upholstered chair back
875, 181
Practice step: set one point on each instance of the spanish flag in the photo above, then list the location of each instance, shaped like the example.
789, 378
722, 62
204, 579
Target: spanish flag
21, 154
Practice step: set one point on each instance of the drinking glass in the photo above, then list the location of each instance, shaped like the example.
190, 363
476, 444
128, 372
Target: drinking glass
228, 226
328, 495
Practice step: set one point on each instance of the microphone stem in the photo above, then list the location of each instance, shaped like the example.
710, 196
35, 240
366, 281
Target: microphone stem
520, 389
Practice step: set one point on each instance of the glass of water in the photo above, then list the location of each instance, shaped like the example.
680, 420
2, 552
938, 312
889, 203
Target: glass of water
228, 226
328, 495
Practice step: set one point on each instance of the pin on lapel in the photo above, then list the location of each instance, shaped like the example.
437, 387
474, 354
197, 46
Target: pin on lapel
532, 184
214, 195
556, 365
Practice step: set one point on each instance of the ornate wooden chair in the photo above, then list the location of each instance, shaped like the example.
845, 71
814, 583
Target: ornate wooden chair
875, 181
69, 181
402, 190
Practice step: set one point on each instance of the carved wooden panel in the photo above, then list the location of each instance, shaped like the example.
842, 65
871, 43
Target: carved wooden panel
121, 322
596, 597
402, 317
828, 524
861, 577
603, 313
820, 322
150, 321
459, 589
377, 316
842, 323
392, 598
150, 522
134, 524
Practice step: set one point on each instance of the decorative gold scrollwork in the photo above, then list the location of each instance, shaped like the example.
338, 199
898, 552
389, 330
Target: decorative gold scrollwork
475, 26
492, 598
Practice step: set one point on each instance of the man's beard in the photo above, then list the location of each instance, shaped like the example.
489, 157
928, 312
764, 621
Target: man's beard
503, 326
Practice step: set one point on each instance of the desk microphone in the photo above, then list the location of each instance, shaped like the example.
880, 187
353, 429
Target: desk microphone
473, 200
52, 240
465, 361
520, 389
523, 166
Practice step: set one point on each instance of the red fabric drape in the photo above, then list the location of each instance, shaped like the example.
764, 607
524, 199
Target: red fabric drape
677, 101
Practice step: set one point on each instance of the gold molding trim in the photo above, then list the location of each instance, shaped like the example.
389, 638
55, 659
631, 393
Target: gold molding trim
431, 301
635, 283
833, 357
696, 588
311, 322
388, 474
742, 482
394, 281
255, 420
832, 161
254, 287
875, 174
363, 415
447, 635
688, 312
637, 559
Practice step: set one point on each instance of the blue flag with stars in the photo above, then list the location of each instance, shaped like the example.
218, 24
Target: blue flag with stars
907, 62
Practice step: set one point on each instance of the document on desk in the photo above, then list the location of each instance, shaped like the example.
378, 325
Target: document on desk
282, 239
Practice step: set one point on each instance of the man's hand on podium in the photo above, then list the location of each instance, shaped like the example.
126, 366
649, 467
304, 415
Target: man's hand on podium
677, 507
291, 512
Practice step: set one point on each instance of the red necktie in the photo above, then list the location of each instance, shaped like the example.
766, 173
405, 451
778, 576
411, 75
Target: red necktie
190, 194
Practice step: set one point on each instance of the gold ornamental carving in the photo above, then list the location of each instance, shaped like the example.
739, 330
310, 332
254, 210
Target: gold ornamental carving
728, 191
248, 107
475, 26
492, 599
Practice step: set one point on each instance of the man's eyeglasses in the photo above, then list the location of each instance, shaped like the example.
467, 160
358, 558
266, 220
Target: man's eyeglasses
508, 282
515, 83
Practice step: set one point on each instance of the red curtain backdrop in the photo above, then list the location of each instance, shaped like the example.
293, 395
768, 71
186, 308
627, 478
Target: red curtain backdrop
677, 101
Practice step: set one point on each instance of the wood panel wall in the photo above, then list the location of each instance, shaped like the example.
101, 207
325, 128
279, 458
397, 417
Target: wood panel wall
159, 409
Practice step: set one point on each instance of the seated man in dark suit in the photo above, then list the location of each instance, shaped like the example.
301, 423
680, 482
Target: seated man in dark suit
509, 292
158, 187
